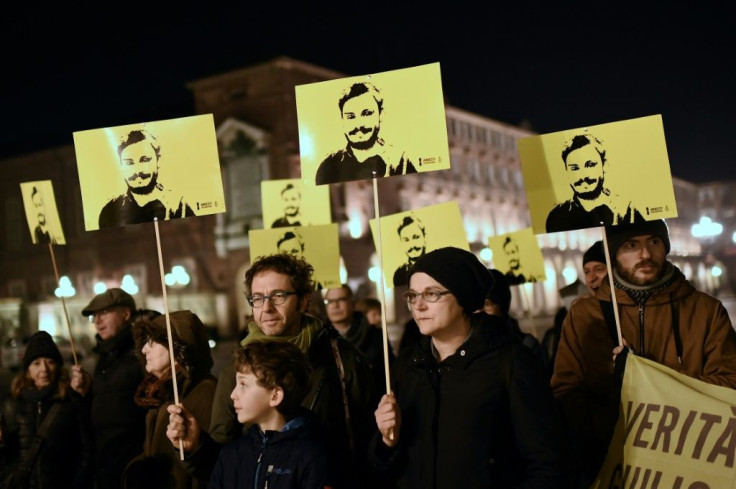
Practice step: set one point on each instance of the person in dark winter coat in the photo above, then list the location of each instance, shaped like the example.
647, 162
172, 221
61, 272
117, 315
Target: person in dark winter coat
65, 457
472, 408
158, 466
354, 327
118, 424
278, 288
283, 447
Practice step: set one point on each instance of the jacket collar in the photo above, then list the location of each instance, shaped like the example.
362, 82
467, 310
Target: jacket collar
487, 333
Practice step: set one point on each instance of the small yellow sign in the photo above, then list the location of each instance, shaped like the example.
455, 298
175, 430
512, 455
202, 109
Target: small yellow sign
41, 212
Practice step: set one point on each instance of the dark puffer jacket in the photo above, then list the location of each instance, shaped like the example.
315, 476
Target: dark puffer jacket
117, 422
483, 417
65, 458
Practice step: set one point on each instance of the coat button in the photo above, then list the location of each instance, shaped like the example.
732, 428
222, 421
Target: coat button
462, 353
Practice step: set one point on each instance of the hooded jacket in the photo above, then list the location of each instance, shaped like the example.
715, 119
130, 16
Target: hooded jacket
291, 458
483, 417
325, 400
196, 387
584, 382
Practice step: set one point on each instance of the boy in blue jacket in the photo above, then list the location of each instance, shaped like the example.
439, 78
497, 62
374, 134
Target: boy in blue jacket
282, 447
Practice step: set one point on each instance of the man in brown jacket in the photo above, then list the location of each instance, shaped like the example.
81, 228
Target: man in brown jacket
663, 318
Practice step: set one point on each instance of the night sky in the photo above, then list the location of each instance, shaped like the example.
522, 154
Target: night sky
553, 67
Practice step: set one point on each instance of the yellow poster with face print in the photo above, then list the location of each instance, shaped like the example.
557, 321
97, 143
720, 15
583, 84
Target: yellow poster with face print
409, 235
153, 170
518, 256
318, 245
390, 123
292, 202
610, 174
41, 212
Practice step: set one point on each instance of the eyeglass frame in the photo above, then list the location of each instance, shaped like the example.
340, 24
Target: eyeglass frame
282, 294
423, 295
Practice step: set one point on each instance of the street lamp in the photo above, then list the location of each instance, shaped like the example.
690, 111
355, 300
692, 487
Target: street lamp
177, 279
128, 284
706, 228
65, 288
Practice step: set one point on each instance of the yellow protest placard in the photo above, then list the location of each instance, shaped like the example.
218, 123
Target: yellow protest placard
407, 236
610, 174
153, 170
318, 245
291, 202
518, 256
392, 123
673, 432
41, 212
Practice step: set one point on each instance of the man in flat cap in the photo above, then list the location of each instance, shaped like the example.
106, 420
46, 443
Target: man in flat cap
663, 318
119, 425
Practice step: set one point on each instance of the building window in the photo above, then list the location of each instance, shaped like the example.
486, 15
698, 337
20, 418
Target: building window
495, 139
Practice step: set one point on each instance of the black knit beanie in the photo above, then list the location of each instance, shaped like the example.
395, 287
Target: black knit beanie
618, 235
41, 345
461, 272
595, 253
500, 292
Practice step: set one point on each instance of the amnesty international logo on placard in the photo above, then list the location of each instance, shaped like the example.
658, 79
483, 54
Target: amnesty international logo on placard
390, 123
154, 170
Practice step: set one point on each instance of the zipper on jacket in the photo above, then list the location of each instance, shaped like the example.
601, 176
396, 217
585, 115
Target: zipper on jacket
258, 463
268, 476
641, 329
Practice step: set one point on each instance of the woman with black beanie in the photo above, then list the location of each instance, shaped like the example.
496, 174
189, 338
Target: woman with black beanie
45, 435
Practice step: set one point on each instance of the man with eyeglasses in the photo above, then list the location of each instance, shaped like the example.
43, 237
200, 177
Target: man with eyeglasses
278, 288
470, 406
118, 423
354, 327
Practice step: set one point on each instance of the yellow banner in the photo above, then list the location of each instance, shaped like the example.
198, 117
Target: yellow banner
674, 432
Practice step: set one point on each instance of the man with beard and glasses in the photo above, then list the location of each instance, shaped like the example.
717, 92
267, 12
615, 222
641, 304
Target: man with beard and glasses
662, 317
291, 197
592, 203
41, 233
413, 239
140, 156
361, 106
515, 273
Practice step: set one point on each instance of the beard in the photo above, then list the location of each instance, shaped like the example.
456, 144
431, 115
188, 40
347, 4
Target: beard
362, 145
148, 188
291, 211
629, 274
591, 194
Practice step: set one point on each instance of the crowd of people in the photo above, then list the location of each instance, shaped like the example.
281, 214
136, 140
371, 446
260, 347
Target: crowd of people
472, 401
